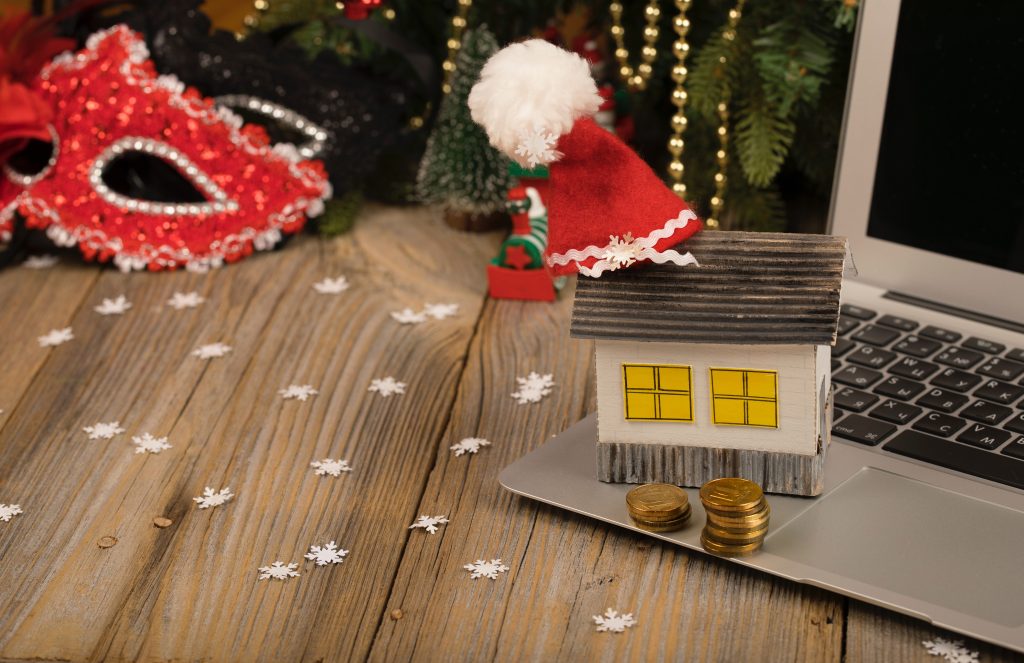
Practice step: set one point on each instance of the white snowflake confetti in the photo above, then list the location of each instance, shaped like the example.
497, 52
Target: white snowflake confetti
537, 147
183, 300
56, 337
115, 306
299, 392
482, 569
429, 523
211, 351
329, 554
103, 431
387, 386
40, 262
440, 311
622, 252
279, 571
211, 498
612, 621
8, 511
146, 443
407, 316
470, 445
331, 286
533, 387
330, 466
953, 651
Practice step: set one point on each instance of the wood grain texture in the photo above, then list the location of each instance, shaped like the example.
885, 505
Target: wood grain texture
874, 635
188, 591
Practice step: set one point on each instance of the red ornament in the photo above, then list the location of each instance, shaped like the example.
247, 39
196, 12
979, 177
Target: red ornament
108, 102
360, 10
516, 258
523, 284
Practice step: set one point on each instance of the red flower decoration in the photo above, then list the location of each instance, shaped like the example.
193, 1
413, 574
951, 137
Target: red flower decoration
108, 103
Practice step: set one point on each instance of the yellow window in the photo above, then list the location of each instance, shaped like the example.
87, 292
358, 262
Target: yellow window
653, 392
742, 397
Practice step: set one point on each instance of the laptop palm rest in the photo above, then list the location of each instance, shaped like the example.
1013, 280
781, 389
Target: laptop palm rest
908, 537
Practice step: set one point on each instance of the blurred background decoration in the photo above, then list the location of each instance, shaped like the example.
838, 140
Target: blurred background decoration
738, 103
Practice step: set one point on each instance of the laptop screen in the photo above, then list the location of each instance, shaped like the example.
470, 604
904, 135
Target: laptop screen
950, 170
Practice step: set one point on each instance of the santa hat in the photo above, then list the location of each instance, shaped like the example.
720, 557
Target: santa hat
606, 208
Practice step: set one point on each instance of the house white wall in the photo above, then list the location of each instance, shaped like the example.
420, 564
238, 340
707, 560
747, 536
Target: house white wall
801, 370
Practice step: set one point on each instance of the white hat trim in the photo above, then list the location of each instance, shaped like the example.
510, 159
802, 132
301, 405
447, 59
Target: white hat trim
624, 251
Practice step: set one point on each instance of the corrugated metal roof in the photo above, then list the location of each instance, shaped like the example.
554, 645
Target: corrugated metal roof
749, 288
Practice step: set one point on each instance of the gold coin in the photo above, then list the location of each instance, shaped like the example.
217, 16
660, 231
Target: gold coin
762, 511
731, 494
723, 549
657, 501
738, 523
663, 525
725, 536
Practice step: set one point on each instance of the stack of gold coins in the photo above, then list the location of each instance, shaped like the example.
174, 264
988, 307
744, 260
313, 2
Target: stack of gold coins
737, 516
658, 507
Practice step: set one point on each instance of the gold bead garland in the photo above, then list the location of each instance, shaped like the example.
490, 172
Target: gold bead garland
681, 49
635, 81
722, 156
454, 42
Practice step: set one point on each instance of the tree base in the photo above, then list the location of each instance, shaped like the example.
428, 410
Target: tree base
476, 223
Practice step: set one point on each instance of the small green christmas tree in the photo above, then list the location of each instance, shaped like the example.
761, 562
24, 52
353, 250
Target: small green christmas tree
460, 170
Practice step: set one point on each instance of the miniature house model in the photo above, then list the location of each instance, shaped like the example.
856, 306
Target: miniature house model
717, 369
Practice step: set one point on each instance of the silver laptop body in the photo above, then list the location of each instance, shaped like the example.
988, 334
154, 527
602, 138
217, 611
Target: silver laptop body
920, 514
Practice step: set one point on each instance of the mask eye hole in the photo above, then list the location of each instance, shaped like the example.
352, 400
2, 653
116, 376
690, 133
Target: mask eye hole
283, 125
32, 162
144, 175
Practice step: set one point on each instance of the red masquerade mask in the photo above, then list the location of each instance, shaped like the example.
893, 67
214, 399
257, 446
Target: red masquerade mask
110, 109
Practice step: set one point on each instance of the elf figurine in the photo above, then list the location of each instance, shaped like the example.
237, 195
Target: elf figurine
518, 272
607, 210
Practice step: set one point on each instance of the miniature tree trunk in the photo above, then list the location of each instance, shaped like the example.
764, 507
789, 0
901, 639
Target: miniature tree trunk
460, 170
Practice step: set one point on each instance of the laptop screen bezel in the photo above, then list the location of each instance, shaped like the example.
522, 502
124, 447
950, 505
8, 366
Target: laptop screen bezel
896, 267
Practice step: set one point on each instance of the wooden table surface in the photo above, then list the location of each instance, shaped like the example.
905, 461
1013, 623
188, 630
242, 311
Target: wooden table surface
189, 592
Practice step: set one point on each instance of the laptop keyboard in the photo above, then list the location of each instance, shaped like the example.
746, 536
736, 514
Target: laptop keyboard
930, 394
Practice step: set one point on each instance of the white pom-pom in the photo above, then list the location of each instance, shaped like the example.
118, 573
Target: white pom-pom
529, 94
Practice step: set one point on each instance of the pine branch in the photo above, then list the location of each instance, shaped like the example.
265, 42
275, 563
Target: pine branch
710, 81
340, 214
762, 139
793, 59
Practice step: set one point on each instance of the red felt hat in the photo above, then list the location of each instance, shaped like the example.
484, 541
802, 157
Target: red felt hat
606, 208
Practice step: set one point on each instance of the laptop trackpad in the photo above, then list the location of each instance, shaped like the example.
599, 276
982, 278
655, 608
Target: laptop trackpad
923, 542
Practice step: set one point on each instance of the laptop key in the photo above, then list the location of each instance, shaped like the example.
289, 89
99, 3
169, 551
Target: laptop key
853, 400
959, 457
856, 376
976, 343
900, 388
983, 436
956, 380
1016, 424
940, 334
859, 428
898, 323
858, 312
836, 364
1003, 369
959, 357
942, 400
846, 323
914, 369
937, 423
876, 335
842, 346
986, 413
1016, 354
871, 357
917, 346
999, 392
896, 412
1015, 448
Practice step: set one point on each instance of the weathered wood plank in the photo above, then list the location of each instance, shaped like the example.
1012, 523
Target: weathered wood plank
874, 635
564, 568
189, 592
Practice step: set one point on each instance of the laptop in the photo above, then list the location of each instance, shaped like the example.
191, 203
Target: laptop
923, 507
